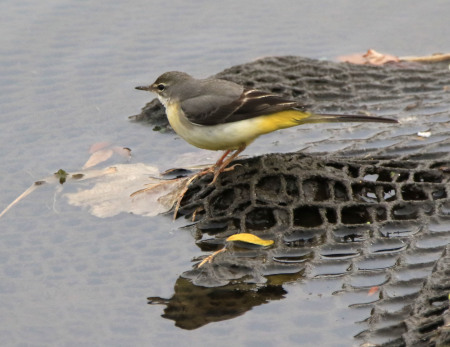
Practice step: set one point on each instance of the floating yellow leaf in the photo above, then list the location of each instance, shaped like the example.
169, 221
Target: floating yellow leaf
250, 238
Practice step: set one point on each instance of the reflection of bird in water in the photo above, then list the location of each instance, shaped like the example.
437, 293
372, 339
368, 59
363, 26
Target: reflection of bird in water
193, 306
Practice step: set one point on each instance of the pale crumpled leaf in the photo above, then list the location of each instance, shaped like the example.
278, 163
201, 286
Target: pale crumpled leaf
103, 151
98, 146
98, 157
113, 193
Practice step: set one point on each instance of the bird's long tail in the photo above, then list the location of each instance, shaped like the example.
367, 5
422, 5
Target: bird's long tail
337, 118
292, 118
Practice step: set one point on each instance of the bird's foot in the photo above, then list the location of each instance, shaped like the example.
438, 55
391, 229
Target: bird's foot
186, 187
231, 168
221, 169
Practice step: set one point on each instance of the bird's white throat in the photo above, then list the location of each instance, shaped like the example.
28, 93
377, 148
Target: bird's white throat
163, 100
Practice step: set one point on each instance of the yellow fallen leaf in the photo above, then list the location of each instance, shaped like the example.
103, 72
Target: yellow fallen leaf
250, 238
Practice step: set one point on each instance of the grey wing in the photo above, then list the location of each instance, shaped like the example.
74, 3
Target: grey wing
218, 109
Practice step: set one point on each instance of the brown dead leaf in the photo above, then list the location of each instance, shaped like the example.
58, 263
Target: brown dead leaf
98, 157
356, 58
437, 57
371, 57
373, 290
122, 151
98, 146
376, 58
103, 151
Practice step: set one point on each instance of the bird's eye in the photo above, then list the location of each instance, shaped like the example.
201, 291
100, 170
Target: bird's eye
161, 87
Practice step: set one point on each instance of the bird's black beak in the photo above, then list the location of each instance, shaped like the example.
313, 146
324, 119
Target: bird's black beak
147, 88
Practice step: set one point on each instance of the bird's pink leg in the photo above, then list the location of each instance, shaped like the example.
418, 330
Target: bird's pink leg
217, 168
224, 164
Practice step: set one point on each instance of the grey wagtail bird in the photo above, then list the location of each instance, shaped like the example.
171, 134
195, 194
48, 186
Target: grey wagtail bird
217, 114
